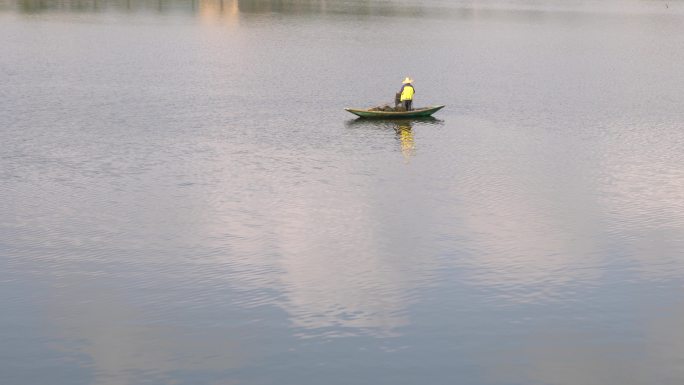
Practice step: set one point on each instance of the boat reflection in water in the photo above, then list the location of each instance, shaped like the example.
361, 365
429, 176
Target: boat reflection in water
402, 127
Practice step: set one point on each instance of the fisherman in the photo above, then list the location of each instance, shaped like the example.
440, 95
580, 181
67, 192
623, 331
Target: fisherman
407, 92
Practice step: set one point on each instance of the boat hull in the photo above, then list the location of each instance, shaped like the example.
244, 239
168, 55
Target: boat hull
421, 112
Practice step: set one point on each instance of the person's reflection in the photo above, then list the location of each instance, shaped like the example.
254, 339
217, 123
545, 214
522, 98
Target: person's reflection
405, 135
403, 129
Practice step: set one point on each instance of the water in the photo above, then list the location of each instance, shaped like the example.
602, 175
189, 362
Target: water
185, 201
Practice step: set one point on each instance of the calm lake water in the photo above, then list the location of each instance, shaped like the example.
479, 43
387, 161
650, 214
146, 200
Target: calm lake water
183, 199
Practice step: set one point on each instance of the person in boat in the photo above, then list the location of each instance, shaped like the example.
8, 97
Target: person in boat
407, 92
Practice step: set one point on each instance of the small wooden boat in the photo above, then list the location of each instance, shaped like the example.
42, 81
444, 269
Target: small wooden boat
418, 112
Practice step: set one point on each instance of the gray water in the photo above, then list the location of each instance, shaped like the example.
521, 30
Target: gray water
183, 199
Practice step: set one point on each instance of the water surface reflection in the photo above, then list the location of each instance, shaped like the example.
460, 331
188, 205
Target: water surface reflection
184, 200
404, 129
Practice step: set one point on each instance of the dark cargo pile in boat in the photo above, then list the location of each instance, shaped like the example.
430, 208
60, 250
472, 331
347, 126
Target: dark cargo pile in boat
388, 108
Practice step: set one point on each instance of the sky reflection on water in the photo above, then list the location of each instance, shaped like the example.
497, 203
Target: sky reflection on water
185, 200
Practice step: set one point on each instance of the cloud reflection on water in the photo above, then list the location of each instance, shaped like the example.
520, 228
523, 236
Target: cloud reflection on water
118, 343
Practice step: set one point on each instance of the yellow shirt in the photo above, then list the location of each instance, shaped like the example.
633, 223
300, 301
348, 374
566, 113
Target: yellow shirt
407, 93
